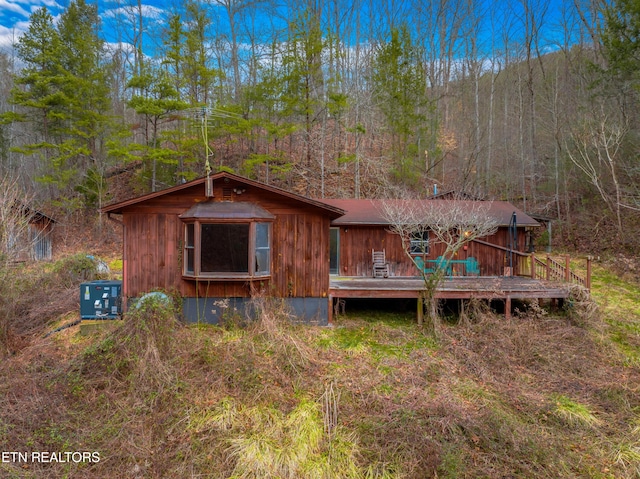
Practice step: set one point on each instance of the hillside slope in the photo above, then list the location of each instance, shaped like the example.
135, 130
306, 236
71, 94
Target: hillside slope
543, 395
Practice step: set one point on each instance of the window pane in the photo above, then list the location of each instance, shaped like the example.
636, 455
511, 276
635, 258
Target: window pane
334, 250
189, 248
262, 261
189, 236
262, 235
189, 256
224, 248
420, 243
263, 247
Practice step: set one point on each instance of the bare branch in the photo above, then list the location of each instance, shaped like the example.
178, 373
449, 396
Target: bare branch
595, 150
453, 223
15, 215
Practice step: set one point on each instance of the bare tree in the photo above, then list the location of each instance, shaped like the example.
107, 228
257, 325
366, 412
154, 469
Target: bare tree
452, 223
596, 151
15, 235
15, 241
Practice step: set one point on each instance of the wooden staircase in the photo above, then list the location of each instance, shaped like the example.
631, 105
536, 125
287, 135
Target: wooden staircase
551, 269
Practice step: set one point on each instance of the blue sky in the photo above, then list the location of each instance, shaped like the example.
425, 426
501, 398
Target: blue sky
14, 16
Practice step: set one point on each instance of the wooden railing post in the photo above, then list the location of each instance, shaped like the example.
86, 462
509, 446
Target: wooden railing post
548, 267
567, 269
533, 266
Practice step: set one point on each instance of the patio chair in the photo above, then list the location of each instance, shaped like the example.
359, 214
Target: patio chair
380, 265
472, 266
419, 262
443, 264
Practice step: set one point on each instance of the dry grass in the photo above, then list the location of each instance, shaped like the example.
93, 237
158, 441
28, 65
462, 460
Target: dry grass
543, 395
34, 296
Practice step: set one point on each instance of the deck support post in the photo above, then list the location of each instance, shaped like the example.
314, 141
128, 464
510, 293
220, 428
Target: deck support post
507, 308
420, 309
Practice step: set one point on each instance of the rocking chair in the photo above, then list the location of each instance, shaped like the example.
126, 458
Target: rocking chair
380, 265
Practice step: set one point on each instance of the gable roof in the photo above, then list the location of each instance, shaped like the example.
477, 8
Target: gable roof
33, 215
369, 212
331, 210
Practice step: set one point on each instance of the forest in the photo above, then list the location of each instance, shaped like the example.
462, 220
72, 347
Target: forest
530, 101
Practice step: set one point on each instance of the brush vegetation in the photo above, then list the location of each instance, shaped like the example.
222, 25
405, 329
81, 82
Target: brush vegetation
549, 394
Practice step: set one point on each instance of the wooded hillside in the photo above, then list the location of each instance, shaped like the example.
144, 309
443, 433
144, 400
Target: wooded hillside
523, 101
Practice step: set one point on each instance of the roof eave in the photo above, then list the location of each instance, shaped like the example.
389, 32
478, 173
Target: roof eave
116, 208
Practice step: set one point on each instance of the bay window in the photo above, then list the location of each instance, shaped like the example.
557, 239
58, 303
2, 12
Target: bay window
224, 240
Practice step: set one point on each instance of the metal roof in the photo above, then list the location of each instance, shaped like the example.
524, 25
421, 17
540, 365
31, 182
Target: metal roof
341, 211
370, 212
33, 215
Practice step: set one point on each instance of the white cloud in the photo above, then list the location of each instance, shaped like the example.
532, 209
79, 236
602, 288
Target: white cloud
14, 18
10, 35
148, 11
11, 6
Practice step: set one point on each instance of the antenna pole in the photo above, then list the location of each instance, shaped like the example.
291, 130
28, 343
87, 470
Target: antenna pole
208, 152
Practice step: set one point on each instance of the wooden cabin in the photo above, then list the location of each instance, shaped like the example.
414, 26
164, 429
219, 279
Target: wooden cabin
363, 229
217, 241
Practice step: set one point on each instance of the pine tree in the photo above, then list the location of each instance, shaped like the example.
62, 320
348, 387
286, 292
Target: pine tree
620, 37
303, 79
399, 87
38, 87
86, 88
158, 103
199, 76
62, 93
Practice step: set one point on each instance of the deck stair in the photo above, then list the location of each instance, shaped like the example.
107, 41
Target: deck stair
551, 269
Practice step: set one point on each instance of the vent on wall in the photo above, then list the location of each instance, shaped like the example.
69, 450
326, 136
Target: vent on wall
227, 194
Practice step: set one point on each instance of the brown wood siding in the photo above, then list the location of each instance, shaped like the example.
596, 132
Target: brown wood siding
153, 248
357, 242
300, 257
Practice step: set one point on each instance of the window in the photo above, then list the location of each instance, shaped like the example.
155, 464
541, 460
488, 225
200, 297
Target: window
263, 248
420, 243
227, 242
334, 250
189, 248
224, 247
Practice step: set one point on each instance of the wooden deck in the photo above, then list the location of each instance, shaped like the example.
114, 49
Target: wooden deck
460, 287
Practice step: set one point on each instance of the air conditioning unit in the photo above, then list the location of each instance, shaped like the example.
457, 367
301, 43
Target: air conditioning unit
101, 299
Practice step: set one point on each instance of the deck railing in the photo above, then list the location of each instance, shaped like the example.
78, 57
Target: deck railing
553, 270
529, 264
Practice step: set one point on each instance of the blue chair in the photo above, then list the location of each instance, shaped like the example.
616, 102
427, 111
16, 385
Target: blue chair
443, 264
419, 262
472, 266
